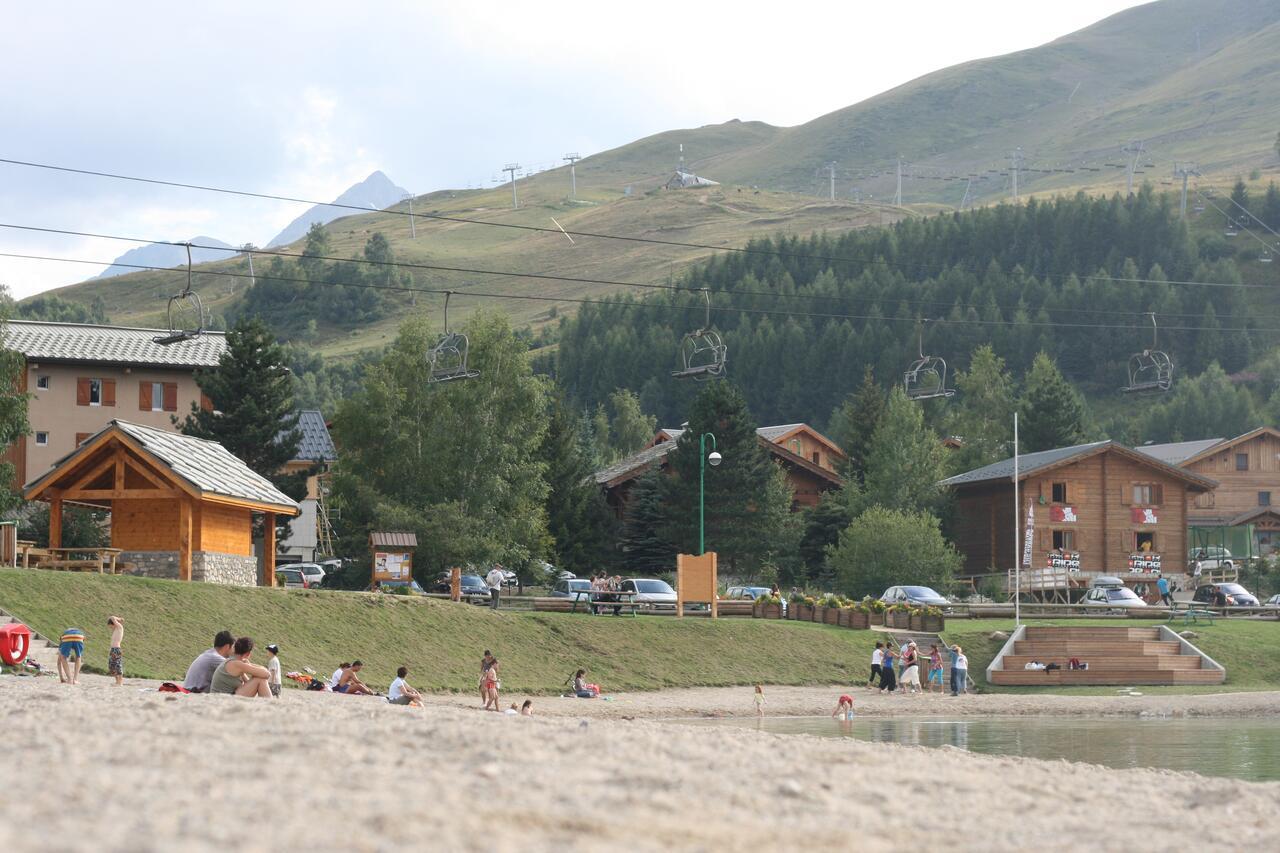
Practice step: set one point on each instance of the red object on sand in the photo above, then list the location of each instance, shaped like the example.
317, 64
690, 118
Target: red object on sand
15, 642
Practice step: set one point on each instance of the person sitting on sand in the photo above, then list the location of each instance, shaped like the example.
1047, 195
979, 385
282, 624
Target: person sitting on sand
238, 676
200, 673
336, 678
844, 708
580, 688
513, 711
400, 693
350, 682
526, 710
70, 645
888, 676
491, 684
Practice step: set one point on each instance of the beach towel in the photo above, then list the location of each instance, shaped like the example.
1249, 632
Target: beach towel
170, 687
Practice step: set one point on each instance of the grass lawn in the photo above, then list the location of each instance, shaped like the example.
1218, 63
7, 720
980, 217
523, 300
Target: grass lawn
168, 623
1250, 651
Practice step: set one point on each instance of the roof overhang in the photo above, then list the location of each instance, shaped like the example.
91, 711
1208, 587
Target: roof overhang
1232, 442
1194, 481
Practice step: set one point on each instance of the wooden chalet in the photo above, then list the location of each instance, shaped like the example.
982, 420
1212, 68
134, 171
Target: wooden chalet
807, 456
1092, 509
1243, 513
181, 507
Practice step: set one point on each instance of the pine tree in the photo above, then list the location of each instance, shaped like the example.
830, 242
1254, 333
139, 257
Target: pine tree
645, 548
905, 460
853, 423
822, 526
1053, 412
1271, 206
747, 501
578, 519
984, 418
1240, 195
13, 407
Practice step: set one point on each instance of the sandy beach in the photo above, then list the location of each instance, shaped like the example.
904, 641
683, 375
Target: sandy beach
101, 768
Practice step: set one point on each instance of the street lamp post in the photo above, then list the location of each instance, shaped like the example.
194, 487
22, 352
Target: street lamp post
703, 458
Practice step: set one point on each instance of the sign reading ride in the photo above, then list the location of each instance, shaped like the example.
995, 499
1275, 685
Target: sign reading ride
1069, 560
1144, 562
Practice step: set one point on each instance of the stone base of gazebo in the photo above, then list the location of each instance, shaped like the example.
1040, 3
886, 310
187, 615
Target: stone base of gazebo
208, 566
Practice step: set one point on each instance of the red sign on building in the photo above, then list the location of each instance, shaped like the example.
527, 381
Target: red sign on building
1062, 514
1143, 515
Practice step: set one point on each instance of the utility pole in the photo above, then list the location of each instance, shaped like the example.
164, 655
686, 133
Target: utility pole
1184, 171
413, 228
513, 168
967, 201
897, 196
1134, 149
1015, 164
831, 168
573, 177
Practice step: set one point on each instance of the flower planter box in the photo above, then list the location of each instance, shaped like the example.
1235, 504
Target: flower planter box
804, 612
898, 619
859, 620
757, 609
875, 618
831, 616
933, 624
842, 619
915, 623
819, 613
772, 611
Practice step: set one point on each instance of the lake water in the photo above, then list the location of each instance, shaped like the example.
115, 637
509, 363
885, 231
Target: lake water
1240, 748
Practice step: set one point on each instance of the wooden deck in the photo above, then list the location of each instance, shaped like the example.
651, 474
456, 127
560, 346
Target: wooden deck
1116, 656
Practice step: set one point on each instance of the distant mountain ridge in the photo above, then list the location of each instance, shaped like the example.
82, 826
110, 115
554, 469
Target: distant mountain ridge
167, 255
375, 192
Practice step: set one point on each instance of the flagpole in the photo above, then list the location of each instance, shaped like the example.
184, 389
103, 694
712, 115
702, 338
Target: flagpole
1017, 533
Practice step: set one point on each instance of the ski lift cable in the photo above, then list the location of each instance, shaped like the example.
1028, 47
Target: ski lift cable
1247, 212
478, 294
746, 250
1267, 246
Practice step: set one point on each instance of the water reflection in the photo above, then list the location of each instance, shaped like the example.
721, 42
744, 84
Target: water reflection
1241, 748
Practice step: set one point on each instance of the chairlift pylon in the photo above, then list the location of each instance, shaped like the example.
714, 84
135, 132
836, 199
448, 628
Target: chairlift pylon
447, 360
1151, 369
702, 352
926, 378
185, 313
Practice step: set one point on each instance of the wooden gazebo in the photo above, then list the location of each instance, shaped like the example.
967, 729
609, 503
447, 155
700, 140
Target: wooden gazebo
181, 507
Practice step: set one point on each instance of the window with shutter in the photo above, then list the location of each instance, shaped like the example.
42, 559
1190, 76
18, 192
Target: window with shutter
206, 403
1157, 494
144, 396
108, 392
171, 396
82, 391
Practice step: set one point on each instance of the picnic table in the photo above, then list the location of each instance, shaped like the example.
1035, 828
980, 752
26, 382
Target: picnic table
100, 560
1190, 615
601, 599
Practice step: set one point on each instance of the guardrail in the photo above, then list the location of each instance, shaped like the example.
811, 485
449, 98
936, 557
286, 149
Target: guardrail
963, 610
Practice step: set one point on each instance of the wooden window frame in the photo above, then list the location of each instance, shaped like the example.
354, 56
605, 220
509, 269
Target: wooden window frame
1154, 494
1063, 540
1242, 457
1053, 492
40, 443
1136, 547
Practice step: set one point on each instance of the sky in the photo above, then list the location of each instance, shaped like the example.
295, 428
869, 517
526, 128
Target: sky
305, 99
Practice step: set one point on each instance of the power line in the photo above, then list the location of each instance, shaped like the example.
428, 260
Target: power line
655, 305
744, 250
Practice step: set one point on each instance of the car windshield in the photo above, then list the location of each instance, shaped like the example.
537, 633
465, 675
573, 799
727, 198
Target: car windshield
1120, 594
312, 570
653, 586
1234, 589
472, 580
920, 592
581, 583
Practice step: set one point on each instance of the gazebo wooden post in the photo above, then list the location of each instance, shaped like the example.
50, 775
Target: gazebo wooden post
55, 522
184, 539
269, 549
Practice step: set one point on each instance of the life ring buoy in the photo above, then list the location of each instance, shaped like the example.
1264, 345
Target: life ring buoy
15, 642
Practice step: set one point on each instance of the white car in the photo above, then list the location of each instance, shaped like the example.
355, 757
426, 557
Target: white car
1118, 597
314, 573
1210, 557
651, 593
1273, 601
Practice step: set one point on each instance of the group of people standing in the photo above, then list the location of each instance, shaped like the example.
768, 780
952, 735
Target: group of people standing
885, 660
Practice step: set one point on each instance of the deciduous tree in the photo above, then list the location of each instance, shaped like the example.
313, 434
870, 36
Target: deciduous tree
885, 547
905, 460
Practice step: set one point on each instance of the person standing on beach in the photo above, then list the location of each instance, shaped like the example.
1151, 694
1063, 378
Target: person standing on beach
490, 686
935, 669
200, 673
485, 662
494, 581
115, 658
888, 678
877, 658
273, 667
70, 645
911, 668
955, 653
759, 700
959, 671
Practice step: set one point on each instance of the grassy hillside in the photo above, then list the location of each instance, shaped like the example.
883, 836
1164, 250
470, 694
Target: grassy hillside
168, 623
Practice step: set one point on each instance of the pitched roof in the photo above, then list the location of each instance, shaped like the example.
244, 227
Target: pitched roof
386, 539
769, 433
80, 343
631, 465
316, 444
1233, 442
1177, 452
205, 465
1031, 463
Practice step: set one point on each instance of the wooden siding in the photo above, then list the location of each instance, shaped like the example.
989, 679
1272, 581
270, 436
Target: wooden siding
1237, 491
223, 529
144, 525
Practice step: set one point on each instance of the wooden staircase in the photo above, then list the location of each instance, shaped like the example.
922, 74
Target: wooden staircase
1116, 656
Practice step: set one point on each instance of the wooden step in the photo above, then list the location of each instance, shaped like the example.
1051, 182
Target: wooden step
1080, 649
1065, 677
1172, 662
1091, 632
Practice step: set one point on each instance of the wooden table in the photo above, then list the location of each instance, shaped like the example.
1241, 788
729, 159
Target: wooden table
102, 561
605, 599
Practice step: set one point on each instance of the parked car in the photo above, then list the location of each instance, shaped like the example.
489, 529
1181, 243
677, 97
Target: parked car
920, 596
650, 592
314, 572
568, 587
1210, 557
1224, 595
291, 578
1116, 597
745, 593
1273, 601
472, 585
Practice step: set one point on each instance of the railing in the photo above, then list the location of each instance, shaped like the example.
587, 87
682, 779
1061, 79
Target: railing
1088, 611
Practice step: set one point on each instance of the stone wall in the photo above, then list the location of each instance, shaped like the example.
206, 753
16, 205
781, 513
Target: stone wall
208, 566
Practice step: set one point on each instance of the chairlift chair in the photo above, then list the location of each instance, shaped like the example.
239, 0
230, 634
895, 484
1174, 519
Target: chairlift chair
1151, 369
926, 378
447, 360
185, 313
1265, 257
702, 352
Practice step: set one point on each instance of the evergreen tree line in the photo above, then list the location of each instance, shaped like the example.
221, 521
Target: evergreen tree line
1037, 277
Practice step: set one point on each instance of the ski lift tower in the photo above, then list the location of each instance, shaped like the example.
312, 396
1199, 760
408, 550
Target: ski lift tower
573, 158
512, 168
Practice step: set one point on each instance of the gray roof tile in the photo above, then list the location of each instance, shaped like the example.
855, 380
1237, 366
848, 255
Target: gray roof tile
1027, 462
1175, 453
316, 445
634, 461
81, 343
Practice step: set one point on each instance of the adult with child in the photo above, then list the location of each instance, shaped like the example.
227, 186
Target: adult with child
200, 673
70, 649
350, 682
239, 676
400, 693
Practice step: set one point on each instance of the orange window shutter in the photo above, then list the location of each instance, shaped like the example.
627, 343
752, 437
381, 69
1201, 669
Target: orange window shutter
171, 396
81, 437
1157, 494
108, 392
144, 396
205, 403
1126, 494
82, 392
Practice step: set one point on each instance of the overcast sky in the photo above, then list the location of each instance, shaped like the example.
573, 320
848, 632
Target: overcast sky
304, 99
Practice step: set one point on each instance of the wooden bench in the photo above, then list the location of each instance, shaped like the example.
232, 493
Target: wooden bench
1190, 615
600, 601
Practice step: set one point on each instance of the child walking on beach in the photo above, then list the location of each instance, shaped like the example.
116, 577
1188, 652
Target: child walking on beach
115, 658
759, 698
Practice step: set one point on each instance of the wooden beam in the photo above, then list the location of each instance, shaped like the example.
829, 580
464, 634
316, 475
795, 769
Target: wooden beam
184, 539
119, 478
269, 549
55, 522
96, 471
120, 494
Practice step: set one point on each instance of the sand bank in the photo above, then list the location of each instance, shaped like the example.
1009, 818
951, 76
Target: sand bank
102, 768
